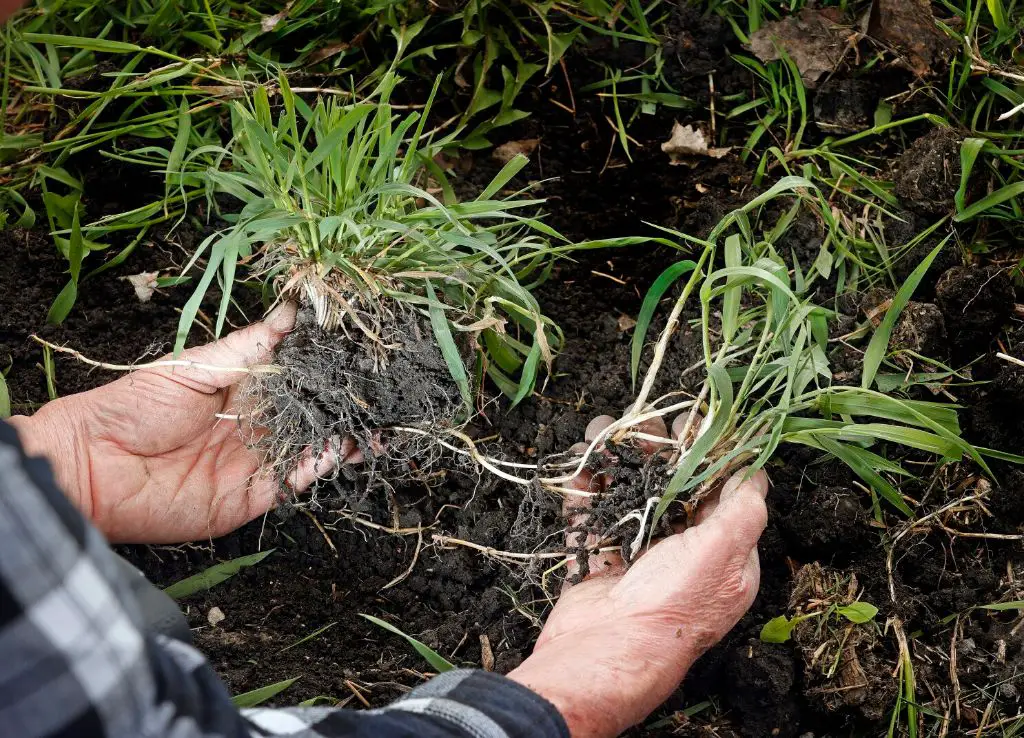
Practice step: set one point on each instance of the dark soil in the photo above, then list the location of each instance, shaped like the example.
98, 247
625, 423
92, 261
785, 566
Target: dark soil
977, 303
336, 558
928, 173
342, 384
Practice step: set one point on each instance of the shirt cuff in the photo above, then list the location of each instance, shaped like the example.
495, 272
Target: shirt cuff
485, 704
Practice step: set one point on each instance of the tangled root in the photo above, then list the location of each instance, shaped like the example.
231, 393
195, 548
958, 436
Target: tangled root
342, 384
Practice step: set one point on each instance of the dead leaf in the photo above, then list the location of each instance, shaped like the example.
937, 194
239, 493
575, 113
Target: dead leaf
908, 26
511, 149
688, 143
269, 22
486, 653
215, 616
814, 39
626, 323
327, 52
144, 284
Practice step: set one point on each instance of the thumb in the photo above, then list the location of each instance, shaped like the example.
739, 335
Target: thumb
210, 366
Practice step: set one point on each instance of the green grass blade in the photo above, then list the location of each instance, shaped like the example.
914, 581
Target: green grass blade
432, 657
988, 202
209, 578
5, 398
734, 288
259, 696
311, 636
449, 350
62, 305
857, 403
722, 385
643, 319
82, 42
191, 309
969, 151
879, 344
1001, 455
177, 156
849, 456
1003, 606
511, 169
529, 375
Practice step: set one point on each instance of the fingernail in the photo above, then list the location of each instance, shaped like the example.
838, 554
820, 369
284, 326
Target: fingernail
282, 318
579, 448
596, 426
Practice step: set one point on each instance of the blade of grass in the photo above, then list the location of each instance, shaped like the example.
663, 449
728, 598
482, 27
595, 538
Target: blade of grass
879, 344
62, 305
445, 341
211, 577
849, 456
643, 319
5, 398
309, 637
1008, 192
259, 696
436, 660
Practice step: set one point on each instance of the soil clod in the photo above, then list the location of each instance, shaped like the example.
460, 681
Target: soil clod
976, 302
337, 384
928, 173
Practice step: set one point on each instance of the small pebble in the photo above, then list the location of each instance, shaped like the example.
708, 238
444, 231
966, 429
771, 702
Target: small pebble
215, 616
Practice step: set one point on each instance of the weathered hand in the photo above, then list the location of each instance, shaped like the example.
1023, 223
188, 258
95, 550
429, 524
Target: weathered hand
619, 643
147, 459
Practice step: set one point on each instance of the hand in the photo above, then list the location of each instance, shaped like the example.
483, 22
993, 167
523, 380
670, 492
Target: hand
619, 643
147, 459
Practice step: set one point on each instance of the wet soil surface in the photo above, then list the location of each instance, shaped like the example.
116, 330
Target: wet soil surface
338, 558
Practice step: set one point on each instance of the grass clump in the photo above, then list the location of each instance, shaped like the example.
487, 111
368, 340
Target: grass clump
408, 296
768, 378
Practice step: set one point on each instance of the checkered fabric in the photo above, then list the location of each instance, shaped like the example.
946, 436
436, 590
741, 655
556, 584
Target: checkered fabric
76, 662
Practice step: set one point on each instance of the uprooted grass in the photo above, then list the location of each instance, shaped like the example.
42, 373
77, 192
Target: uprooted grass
765, 380
409, 296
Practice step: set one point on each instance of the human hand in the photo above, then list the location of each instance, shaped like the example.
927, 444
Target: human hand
147, 458
619, 643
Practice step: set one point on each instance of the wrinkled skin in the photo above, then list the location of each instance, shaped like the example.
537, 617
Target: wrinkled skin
147, 459
627, 638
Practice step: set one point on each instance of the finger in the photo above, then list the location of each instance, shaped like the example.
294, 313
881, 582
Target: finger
710, 503
752, 572
321, 466
683, 420
741, 514
240, 350
574, 508
597, 426
266, 491
652, 427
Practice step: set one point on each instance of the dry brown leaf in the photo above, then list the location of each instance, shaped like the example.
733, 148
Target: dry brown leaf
511, 149
486, 653
626, 323
908, 26
327, 52
269, 22
814, 39
688, 143
144, 284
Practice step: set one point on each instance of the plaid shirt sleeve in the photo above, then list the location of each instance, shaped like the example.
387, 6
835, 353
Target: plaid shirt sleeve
76, 662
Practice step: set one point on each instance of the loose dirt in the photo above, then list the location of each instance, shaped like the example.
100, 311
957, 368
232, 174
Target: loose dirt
337, 559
